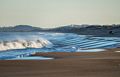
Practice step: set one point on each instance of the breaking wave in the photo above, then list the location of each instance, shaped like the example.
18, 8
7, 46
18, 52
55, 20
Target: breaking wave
21, 44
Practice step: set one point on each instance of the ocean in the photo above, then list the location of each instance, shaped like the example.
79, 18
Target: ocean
20, 45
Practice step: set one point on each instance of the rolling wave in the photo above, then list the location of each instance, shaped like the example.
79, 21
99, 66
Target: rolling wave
21, 44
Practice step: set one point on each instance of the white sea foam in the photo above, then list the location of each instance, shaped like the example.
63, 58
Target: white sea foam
32, 58
117, 51
21, 44
90, 50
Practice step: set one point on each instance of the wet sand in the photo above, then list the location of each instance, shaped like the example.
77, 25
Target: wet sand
79, 64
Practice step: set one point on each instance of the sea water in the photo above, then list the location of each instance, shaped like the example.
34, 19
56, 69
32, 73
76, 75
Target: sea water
19, 45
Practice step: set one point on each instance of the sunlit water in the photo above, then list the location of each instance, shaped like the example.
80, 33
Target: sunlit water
19, 45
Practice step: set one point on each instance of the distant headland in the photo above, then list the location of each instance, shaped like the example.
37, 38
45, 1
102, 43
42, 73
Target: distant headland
95, 30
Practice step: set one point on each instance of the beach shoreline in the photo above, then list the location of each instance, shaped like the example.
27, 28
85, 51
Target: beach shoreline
65, 64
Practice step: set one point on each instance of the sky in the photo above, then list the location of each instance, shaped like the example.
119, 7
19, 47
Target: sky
54, 13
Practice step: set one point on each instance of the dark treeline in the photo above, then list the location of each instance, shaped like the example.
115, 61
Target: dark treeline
97, 30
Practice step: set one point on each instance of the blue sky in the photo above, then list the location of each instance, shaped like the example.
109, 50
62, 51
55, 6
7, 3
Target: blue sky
53, 13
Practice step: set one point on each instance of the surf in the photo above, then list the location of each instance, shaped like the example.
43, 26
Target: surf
22, 44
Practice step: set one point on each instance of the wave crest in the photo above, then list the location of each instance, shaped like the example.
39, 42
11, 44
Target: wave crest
21, 44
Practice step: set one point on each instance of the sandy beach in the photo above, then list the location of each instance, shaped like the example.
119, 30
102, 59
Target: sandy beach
65, 64
59, 38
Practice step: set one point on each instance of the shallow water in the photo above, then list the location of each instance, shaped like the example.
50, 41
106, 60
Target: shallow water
22, 44
31, 58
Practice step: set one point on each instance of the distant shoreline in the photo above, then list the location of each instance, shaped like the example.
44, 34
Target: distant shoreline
93, 30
